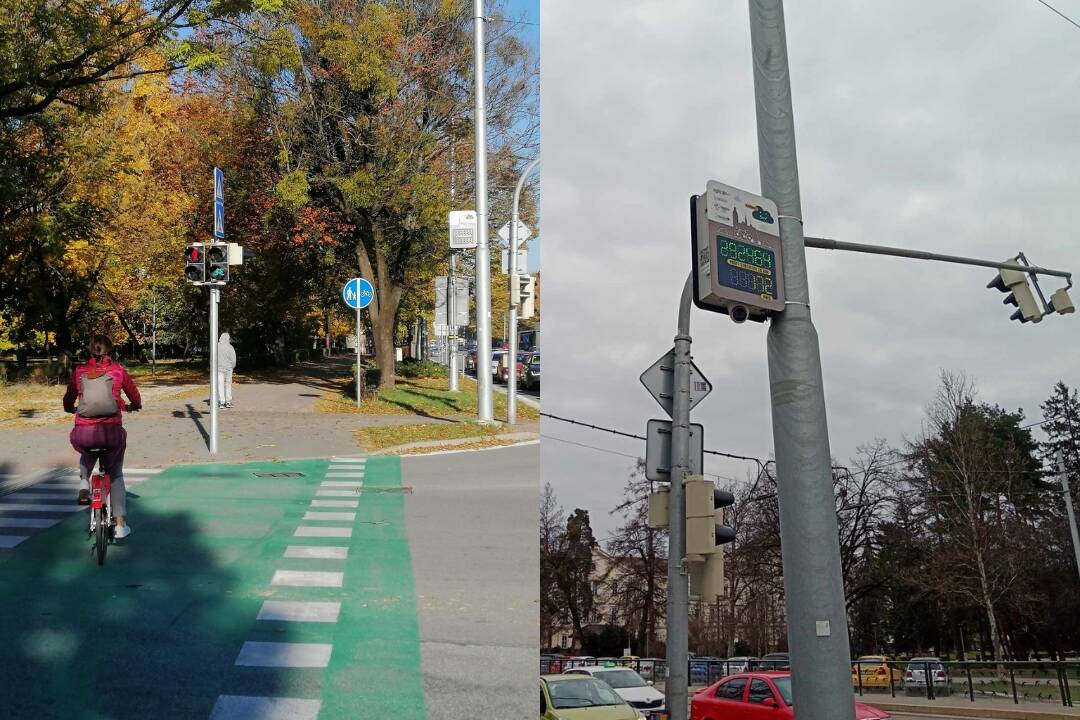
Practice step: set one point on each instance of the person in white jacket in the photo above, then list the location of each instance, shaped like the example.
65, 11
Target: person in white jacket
226, 364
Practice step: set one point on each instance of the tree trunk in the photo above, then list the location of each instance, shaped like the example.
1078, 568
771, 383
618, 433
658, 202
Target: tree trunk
384, 306
384, 350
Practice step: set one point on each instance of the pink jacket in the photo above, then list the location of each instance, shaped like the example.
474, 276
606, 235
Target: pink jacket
121, 381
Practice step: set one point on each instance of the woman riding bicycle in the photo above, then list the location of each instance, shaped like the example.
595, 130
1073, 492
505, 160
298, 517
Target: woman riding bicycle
98, 423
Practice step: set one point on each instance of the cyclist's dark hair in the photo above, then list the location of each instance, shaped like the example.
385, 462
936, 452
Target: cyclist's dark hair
100, 347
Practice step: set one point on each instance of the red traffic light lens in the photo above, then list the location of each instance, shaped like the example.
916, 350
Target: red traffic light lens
194, 254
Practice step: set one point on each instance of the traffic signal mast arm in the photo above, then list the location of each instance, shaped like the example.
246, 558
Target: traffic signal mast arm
827, 244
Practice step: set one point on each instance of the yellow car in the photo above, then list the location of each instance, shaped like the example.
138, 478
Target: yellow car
628, 660
875, 672
581, 697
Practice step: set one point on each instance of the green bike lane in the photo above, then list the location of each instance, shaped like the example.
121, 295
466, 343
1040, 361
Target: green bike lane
158, 631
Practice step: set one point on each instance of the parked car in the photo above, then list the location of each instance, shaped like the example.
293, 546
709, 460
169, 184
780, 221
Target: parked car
628, 684
502, 373
915, 675
496, 358
625, 660
530, 372
748, 696
872, 671
738, 664
773, 661
581, 697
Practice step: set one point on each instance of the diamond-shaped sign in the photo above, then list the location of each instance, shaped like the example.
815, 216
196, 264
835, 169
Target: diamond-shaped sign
659, 380
523, 232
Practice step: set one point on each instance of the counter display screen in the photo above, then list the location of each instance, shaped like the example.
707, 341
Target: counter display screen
745, 267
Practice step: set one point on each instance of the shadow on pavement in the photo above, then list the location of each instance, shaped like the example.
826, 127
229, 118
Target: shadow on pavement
155, 632
195, 416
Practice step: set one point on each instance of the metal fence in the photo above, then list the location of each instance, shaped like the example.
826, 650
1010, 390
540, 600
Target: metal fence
1033, 682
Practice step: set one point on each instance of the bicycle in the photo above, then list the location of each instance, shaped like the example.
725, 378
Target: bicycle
102, 523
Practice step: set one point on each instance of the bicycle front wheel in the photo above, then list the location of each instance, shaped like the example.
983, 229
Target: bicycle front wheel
102, 535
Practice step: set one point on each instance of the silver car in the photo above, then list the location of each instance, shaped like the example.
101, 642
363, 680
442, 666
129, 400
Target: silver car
915, 676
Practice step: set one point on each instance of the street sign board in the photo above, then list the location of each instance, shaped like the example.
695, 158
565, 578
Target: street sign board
219, 203
659, 380
523, 232
522, 261
358, 293
463, 235
461, 301
658, 449
737, 264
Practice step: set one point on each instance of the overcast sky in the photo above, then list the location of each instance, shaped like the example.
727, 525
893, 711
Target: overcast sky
949, 126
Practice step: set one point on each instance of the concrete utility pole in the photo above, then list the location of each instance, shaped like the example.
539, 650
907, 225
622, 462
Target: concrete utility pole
484, 411
678, 599
810, 547
511, 380
1069, 507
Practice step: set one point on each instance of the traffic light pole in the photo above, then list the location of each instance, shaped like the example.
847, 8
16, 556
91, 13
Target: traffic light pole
511, 379
214, 389
484, 410
810, 547
1069, 507
678, 597
451, 324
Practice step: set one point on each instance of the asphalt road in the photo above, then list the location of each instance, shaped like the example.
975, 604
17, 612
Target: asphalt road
472, 528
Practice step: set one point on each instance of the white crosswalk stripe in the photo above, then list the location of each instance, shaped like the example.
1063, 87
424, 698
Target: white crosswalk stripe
38, 506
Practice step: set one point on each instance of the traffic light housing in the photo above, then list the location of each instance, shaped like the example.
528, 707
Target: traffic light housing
195, 259
528, 297
1061, 303
1014, 282
705, 505
217, 263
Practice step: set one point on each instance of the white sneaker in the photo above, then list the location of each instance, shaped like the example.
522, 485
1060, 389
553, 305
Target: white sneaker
121, 531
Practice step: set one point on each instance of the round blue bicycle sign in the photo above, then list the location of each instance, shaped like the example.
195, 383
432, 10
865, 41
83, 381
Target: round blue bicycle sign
358, 293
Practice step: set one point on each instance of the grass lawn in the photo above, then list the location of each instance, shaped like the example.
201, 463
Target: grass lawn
422, 396
377, 438
20, 401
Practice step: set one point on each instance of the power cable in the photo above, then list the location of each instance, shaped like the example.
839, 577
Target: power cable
1061, 14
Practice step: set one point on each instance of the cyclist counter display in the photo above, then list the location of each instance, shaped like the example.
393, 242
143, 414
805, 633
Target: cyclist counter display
738, 267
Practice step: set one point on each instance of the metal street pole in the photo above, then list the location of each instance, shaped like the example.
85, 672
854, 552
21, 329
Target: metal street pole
810, 548
153, 339
511, 380
678, 600
360, 371
484, 411
1069, 507
451, 325
214, 389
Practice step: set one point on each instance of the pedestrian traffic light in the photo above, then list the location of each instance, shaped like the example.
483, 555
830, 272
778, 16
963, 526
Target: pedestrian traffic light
217, 260
195, 257
528, 297
1014, 282
705, 515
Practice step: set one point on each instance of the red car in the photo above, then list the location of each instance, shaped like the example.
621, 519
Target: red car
749, 696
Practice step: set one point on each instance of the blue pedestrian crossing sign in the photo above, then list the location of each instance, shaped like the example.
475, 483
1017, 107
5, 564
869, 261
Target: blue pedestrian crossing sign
358, 293
219, 203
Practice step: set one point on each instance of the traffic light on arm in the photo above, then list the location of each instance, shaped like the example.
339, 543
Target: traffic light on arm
1014, 282
195, 259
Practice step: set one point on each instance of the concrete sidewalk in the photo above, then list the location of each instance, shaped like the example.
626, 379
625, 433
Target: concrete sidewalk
961, 707
274, 418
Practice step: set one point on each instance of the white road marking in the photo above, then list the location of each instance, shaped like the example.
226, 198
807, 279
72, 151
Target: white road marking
334, 532
331, 484
12, 522
280, 654
307, 578
30, 507
242, 707
338, 493
21, 496
344, 474
335, 503
10, 541
336, 516
325, 612
317, 552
